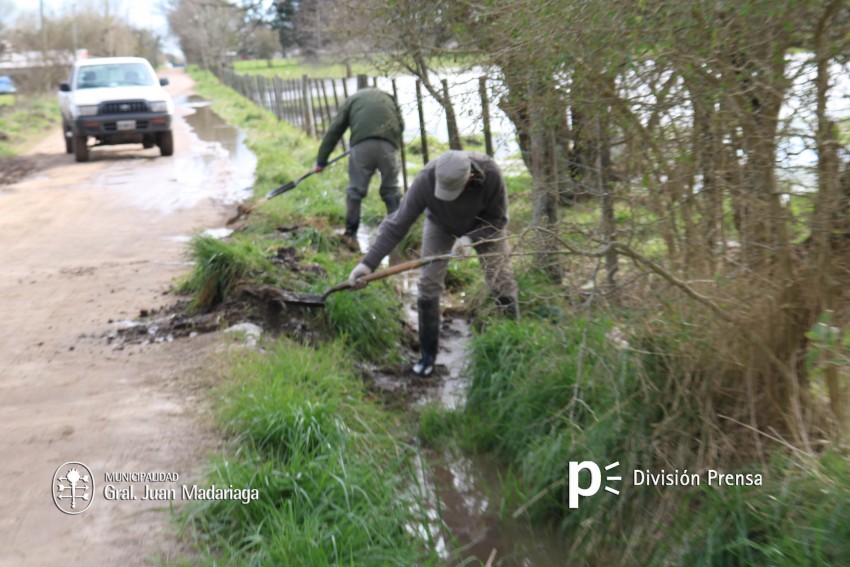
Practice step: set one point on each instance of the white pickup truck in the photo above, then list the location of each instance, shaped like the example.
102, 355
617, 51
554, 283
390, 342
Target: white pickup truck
115, 100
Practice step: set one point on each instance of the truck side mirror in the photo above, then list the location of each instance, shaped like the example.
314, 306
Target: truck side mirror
64, 87
163, 82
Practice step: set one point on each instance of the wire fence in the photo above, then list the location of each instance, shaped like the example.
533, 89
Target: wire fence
310, 103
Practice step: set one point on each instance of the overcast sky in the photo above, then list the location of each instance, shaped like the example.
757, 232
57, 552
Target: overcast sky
140, 13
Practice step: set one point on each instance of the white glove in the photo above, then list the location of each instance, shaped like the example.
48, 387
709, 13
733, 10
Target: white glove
358, 272
462, 247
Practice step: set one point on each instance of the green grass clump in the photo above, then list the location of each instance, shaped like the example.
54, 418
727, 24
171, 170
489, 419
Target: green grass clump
220, 265
370, 319
330, 478
462, 273
316, 239
24, 120
436, 425
531, 379
800, 516
544, 394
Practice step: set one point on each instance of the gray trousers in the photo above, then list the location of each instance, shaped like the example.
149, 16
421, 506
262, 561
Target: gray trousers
367, 157
493, 255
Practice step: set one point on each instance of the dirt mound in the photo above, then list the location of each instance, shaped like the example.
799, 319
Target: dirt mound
15, 168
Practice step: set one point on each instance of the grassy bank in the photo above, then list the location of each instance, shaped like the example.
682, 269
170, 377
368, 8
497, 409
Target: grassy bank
557, 387
25, 121
296, 68
330, 466
330, 476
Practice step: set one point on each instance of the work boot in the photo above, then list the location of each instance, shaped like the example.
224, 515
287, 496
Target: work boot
429, 336
508, 306
392, 203
352, 217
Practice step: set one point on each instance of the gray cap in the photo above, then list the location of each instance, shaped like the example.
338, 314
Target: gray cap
452, 173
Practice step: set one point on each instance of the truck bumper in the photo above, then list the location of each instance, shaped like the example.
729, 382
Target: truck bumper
114, 127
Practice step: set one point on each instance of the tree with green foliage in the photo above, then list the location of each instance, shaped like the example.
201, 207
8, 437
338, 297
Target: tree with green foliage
283, 20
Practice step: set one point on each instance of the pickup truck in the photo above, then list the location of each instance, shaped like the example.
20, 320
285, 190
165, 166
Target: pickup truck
115, 100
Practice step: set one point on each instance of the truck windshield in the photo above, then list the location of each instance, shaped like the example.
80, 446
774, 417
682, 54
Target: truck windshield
114, 75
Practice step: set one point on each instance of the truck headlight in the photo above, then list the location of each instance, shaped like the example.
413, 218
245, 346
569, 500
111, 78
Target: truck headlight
158, 106
87, 110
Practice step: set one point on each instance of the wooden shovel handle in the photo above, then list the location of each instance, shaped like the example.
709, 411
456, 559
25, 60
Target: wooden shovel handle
387, 272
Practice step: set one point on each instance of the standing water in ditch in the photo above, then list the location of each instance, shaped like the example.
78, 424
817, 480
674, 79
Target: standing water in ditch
468, 490
464, 494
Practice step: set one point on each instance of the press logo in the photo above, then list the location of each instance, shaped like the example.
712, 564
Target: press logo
576, 490
73, 488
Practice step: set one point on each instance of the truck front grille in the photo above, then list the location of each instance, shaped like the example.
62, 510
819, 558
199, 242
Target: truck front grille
123, 107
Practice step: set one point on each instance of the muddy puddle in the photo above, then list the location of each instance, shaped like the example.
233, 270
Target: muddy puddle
215, 166
225, 156
220, 167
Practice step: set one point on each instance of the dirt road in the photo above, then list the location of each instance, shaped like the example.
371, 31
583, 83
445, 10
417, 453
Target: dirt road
83, 244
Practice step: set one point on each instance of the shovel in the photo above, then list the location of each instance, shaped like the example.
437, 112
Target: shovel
315, 300
245, 211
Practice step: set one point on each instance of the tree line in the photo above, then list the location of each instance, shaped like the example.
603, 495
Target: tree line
701, 132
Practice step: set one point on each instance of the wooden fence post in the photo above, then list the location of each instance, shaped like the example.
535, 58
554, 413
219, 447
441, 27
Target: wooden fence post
336, 110
403, 152
278, 97
261, 87
362, 82
423, 133
286, 92
272, 98
327, 105
485, 115
307, 93
318, 109
258, 85
451, 121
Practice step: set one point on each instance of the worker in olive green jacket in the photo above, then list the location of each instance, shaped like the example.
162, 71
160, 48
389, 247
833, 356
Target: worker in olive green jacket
376, 137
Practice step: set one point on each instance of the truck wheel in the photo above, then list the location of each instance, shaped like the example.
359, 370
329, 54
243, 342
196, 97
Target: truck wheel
69, 138
81, 150
166, 143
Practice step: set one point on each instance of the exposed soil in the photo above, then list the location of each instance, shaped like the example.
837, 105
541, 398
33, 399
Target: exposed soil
87, 247
13, 169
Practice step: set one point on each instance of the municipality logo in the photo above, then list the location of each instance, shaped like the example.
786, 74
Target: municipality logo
574, 486
73, 488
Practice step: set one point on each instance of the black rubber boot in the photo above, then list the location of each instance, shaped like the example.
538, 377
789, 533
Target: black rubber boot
429, 336
392, 203
508, 306
352, 217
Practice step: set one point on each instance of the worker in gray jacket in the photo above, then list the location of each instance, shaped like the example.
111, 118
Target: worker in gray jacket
464, 197
376, 137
